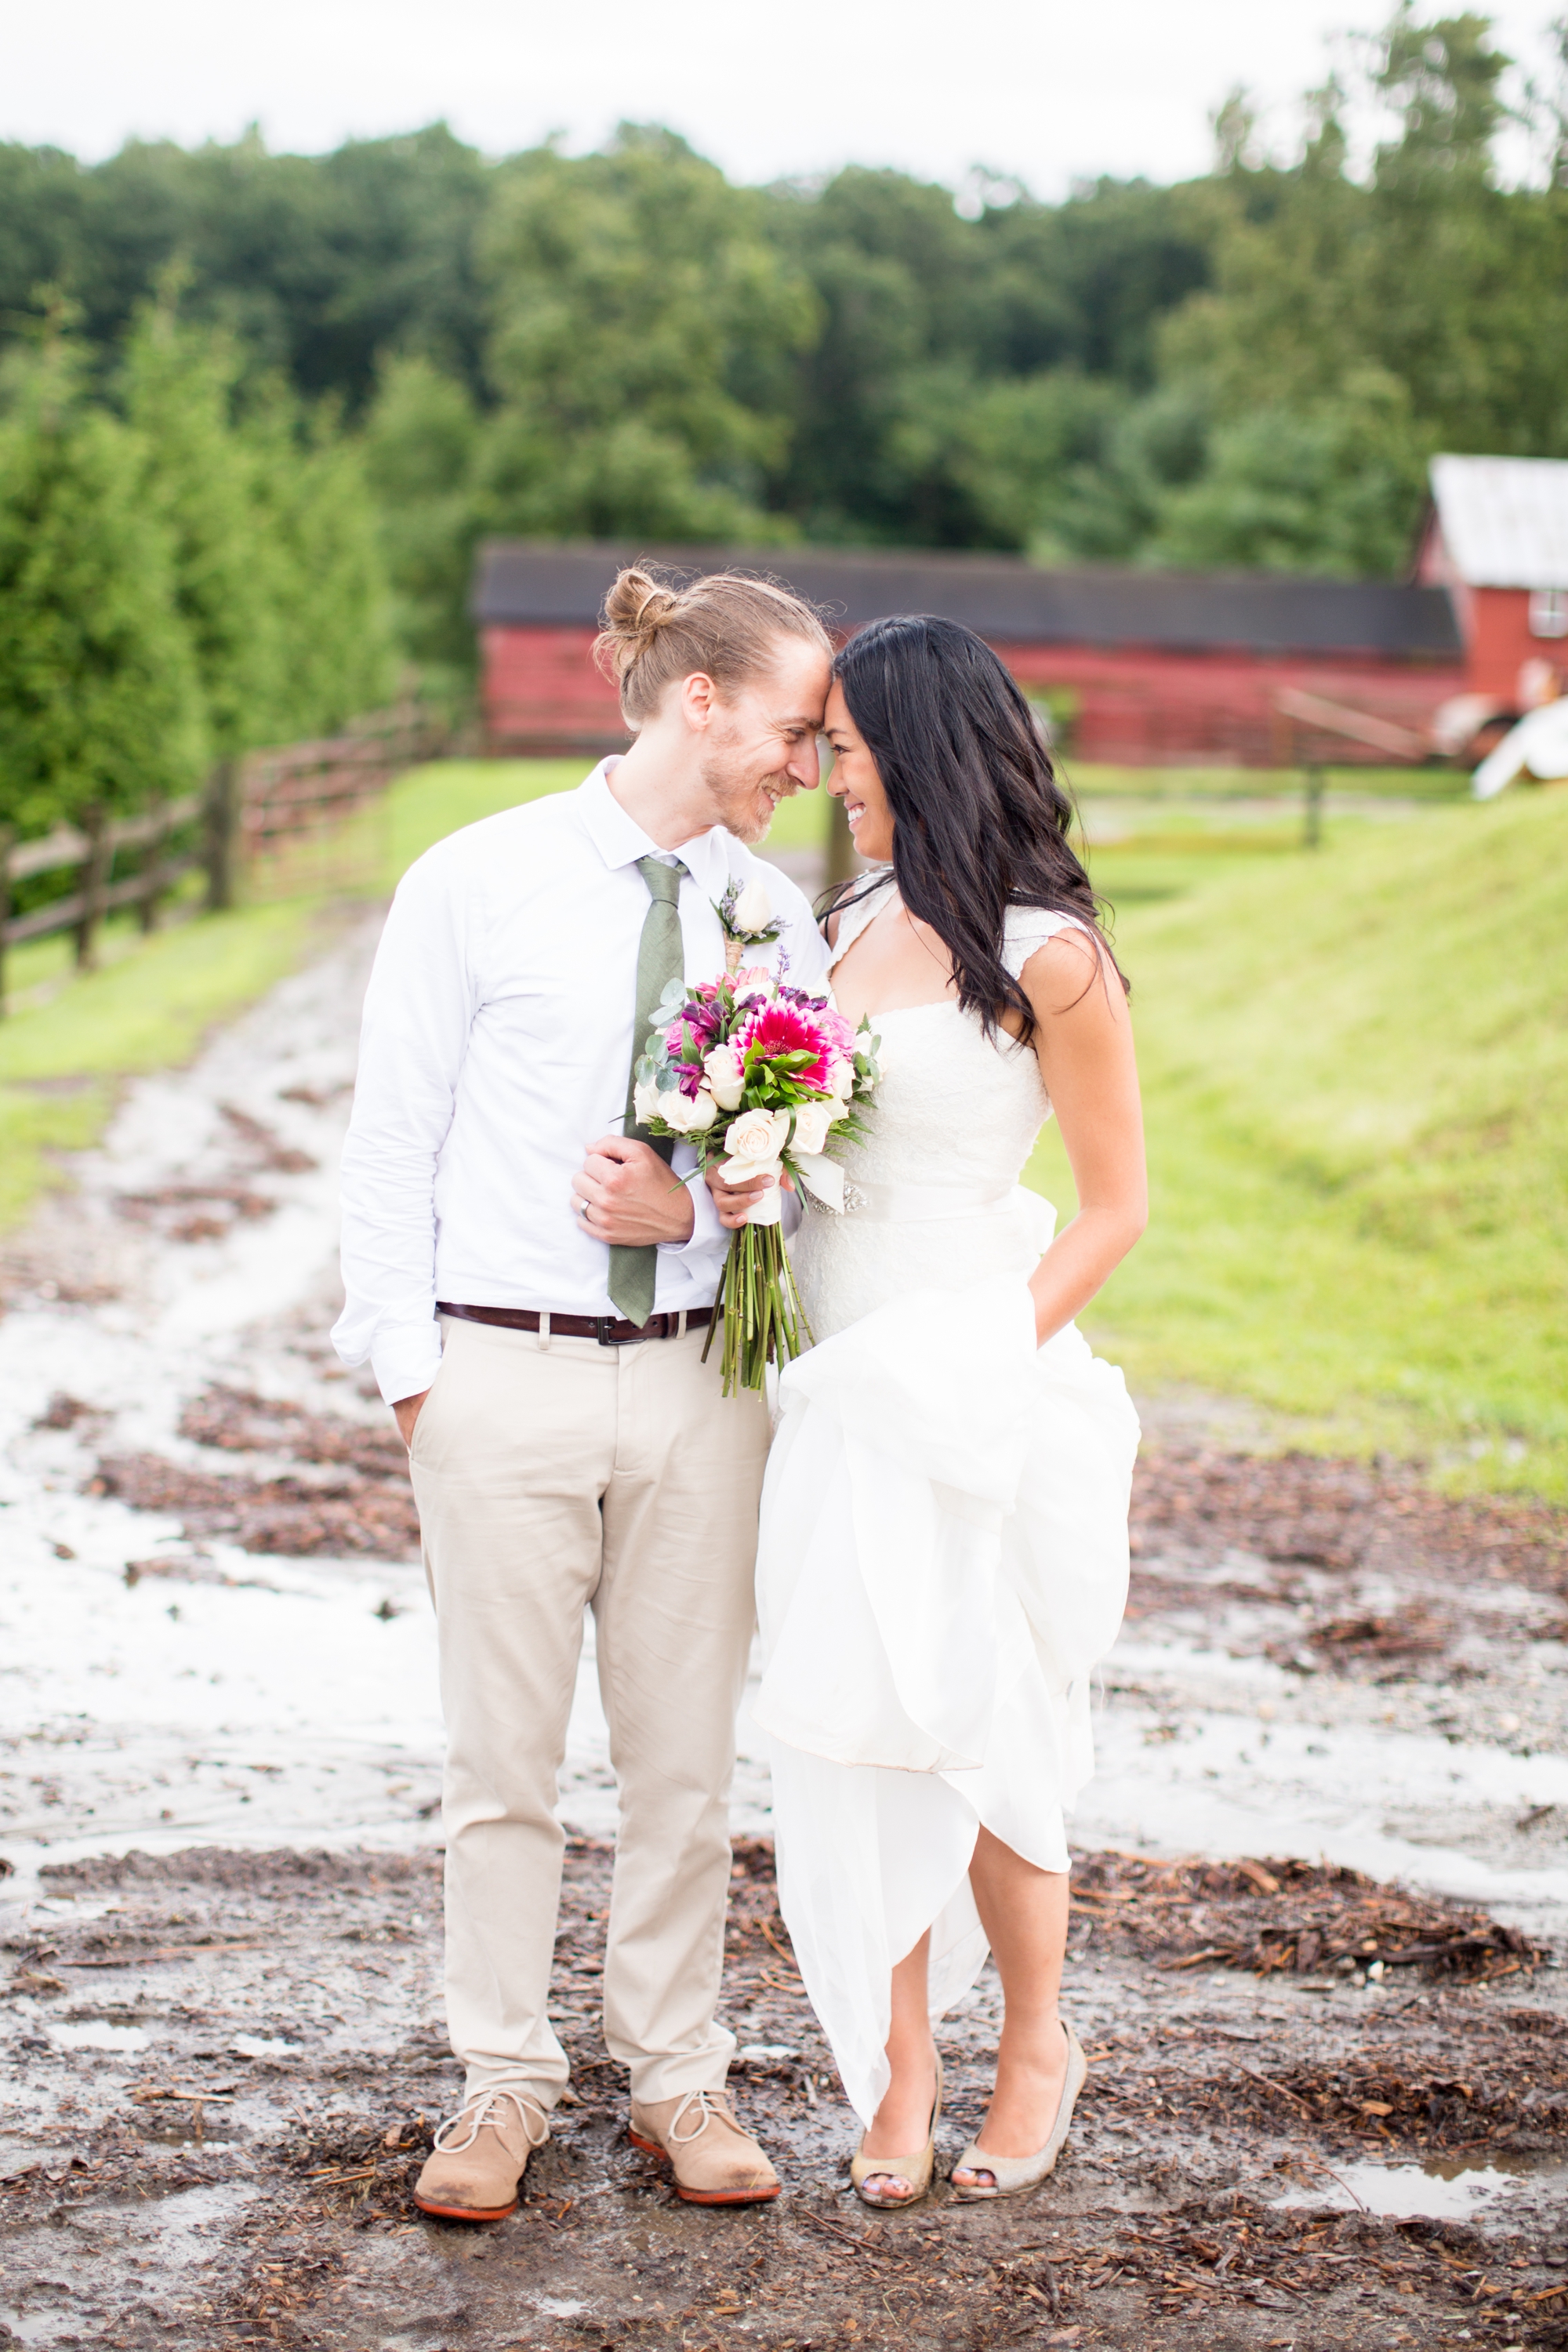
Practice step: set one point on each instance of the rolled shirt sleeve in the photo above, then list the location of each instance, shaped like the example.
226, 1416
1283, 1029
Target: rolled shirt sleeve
702, 1252
418, 1010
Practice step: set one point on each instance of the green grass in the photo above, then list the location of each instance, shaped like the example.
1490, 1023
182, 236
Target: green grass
60, 1061
431, 801
1355, 1068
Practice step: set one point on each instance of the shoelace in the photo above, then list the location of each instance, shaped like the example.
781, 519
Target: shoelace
479, 2108
710, 2109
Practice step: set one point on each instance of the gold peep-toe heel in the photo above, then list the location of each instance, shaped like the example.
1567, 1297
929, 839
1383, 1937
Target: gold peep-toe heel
1012, 2175
915, 2171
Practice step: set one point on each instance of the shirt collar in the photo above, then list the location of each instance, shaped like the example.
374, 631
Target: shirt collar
621, 841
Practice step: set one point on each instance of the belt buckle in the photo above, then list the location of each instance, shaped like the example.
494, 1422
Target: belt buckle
605, 1332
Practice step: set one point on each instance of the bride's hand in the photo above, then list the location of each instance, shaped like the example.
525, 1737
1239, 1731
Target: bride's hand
732, 1201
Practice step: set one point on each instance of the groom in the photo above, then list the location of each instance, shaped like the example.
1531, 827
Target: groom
533, 1287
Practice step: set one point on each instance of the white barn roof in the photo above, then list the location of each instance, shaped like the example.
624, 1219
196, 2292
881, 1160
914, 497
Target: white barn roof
1504, 520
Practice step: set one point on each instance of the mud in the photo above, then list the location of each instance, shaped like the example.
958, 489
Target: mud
1323, 1892
225, 2067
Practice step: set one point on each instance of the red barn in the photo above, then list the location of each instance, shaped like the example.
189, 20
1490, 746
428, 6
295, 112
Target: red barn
1143, 666
1497, 540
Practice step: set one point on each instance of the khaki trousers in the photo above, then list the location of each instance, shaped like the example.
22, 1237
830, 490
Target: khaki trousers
554, 1475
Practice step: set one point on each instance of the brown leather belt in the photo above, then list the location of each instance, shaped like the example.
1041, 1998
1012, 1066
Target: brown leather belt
611, 1331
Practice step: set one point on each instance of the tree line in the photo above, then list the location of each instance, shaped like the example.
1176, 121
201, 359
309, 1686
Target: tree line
1248, 369
189, 567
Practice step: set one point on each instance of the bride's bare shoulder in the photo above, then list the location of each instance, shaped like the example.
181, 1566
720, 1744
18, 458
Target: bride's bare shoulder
1067, 970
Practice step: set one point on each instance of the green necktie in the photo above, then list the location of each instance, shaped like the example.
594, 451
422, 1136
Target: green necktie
660, 959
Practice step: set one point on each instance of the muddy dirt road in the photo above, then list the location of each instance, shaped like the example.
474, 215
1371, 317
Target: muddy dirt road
1329, 2103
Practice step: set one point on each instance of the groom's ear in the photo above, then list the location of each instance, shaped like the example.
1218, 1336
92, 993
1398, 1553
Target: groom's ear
698, 697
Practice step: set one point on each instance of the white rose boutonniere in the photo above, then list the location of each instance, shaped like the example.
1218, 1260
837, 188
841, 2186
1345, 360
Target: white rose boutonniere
746, 913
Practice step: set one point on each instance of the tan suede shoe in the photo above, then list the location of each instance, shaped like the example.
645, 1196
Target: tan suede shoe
481, 2155
715, 2161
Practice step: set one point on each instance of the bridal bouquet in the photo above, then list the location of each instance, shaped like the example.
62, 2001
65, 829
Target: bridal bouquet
760, 1077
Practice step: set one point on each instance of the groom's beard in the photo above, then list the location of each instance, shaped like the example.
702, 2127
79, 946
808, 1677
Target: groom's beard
746, 802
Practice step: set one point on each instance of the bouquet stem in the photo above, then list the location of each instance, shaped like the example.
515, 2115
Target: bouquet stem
764, 1321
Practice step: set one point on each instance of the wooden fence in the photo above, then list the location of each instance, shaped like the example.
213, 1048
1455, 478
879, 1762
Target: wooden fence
247, 810
1301, 723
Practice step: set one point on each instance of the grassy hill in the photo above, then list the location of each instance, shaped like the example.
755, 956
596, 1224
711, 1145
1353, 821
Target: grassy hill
1355, 1066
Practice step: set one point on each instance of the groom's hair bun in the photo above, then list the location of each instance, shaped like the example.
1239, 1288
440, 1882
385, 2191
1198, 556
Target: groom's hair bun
657, 628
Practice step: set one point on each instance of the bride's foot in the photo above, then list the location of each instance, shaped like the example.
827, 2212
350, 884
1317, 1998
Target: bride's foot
900, 2130
1023, 2107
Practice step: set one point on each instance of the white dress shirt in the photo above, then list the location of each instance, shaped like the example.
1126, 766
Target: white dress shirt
496, 1046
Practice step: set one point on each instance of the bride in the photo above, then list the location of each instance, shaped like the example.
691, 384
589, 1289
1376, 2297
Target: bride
943, 1549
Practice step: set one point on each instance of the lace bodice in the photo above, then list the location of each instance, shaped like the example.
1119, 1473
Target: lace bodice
934, 1195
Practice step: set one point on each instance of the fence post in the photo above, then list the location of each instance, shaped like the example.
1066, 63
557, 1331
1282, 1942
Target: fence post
147, 905
94, 876
1312, 827
8, 837
222, 831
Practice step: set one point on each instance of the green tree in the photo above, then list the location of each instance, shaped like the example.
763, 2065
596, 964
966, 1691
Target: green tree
273, 532
421, 449
317, 513
231, 584
318, 265
101, 702
1431, 275
1329, 487
966, 366
638, 358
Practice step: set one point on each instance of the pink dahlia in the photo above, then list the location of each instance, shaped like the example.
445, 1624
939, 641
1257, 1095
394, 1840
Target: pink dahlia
774, 1029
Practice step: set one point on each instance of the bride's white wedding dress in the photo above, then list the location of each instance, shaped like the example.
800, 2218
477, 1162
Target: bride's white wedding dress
944, 1547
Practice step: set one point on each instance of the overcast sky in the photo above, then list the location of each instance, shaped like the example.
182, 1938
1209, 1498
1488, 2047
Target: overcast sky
1050, 90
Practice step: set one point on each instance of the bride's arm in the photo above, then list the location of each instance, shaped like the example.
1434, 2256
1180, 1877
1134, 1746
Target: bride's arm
1083, 1038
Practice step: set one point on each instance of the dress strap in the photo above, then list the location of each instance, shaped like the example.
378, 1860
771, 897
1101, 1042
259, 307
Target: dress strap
855, 918
1029, 927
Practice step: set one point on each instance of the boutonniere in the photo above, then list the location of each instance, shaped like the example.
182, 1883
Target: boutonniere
747, 920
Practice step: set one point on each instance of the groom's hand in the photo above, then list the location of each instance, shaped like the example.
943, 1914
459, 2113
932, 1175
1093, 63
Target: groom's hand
624, 1194
405, 1413
734, 1201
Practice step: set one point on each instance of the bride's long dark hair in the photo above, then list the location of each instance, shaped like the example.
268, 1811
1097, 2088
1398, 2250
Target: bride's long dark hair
980, 823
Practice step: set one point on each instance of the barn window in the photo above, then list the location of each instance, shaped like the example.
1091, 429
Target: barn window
1549, 613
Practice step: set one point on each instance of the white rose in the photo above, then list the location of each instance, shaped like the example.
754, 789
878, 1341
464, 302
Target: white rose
841, 1080
724, 1074
687, 1117
812, 1121
645, 1102
756, 1139
753, 909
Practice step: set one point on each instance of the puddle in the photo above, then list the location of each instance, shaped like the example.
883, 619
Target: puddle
183, 2222
97, 2033
1436, 2191
255, 2045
